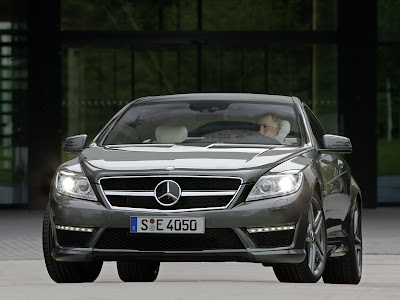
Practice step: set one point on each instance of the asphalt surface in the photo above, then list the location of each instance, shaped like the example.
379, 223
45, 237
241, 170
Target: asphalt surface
29, 280
23, 274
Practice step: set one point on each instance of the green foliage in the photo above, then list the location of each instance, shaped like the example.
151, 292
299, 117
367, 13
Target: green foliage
388, 157
182, 14
388, 67
388, 20
388, 72
128, 15
257, 15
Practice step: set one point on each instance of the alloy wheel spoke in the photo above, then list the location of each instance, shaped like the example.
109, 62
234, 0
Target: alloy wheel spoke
319, 253
319, 246
311, 216
308, 236
356, 229
311, 259
315, 237
358, 237
317, 221
318, 225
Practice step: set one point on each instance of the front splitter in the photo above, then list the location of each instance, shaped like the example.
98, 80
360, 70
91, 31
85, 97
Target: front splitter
264, 256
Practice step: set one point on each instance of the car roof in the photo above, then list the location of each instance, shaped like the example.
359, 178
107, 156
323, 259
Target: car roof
218, 96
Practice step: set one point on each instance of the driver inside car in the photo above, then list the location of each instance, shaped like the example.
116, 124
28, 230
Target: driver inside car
269, 126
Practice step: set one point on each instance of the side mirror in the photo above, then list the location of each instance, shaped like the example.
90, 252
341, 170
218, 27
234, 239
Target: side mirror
75, 144
336, 143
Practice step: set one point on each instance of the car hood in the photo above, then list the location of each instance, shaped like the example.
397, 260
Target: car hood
181, 157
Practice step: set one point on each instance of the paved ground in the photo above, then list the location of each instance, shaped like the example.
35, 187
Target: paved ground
244, 281
20, 234
23, 274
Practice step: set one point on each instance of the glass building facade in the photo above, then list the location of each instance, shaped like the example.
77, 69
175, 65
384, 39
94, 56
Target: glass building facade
13, 100
388, 99
205, 46
68, 72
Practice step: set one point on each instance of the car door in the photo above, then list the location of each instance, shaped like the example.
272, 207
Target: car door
335, 177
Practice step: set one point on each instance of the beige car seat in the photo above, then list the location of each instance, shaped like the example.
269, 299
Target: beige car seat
283, 132
166, 134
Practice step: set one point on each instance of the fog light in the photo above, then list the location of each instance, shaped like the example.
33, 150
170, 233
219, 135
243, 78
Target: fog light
72, 228
268, 229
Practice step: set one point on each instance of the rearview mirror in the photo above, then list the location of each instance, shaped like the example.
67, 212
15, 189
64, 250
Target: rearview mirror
336, 143
75, 144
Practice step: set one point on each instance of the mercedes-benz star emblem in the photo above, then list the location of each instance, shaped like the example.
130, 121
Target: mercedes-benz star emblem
167, 192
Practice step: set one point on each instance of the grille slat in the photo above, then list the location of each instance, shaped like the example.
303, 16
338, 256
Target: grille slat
273, 239
213, 238
187, 184
183, 203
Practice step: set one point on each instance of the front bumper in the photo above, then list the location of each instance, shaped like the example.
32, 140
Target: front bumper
288, 210
267, 257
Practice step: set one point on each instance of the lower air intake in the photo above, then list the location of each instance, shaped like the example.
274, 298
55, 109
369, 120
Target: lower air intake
273, 239
121, 238
73, 239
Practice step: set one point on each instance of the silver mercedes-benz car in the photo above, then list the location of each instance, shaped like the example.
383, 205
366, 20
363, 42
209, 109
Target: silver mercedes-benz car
206, 177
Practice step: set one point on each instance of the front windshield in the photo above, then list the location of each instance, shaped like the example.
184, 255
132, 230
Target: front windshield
207, 122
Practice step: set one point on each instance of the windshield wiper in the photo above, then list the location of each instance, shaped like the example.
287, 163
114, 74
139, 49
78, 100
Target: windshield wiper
230, 145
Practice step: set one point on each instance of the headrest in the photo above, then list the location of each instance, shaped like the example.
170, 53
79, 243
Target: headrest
283, 132
171, 134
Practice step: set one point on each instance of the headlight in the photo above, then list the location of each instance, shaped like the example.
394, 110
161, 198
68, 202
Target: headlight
275, 185
74, 185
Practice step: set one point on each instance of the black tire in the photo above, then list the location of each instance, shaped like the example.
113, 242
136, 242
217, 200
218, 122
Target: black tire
312, 267
138, 271
348, 269
63, 272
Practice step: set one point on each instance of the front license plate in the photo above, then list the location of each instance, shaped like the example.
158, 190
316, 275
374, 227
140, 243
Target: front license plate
167, 225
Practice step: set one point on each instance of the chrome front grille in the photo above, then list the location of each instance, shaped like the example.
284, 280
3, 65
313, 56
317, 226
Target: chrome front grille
196, 192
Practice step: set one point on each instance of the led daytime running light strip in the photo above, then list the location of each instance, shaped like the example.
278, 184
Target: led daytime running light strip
71, 228
269, 229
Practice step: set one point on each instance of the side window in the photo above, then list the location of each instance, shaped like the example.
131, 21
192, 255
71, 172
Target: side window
316, 127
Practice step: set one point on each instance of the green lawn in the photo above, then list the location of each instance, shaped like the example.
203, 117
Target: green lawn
389, 157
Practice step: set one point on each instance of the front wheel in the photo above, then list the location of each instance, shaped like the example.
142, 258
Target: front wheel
138, 271
63, 272
348, 269
312, 267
